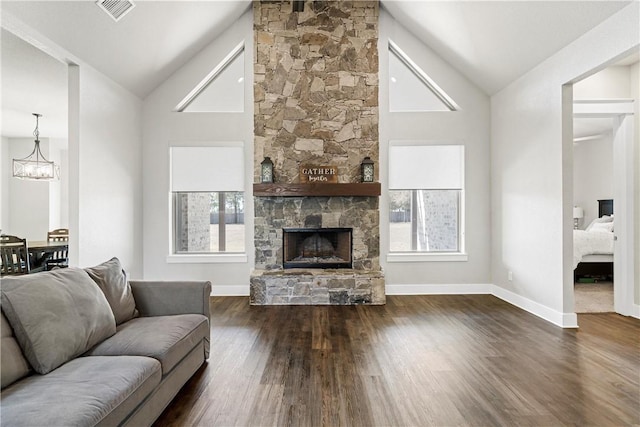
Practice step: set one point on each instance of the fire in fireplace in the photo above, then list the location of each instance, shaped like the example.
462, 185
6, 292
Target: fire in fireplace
317, 247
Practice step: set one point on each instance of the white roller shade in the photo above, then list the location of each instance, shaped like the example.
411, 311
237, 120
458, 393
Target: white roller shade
422, 167
218, 168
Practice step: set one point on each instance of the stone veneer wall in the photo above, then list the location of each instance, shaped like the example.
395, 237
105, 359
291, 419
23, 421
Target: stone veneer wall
316, 86
316, 103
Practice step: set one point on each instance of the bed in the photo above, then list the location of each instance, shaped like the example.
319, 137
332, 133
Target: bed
593, 247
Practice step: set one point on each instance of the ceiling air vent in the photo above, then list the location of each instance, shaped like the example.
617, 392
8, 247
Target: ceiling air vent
116, 9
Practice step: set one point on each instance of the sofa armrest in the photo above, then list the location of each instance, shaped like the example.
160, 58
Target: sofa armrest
156, 298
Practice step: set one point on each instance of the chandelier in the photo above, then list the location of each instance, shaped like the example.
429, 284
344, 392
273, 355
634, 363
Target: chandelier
35, 166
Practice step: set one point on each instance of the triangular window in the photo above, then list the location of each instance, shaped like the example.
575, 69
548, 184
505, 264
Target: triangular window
222, 90
411, 89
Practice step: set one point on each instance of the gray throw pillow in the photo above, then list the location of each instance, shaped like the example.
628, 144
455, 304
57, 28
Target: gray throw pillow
56, 315
112, 280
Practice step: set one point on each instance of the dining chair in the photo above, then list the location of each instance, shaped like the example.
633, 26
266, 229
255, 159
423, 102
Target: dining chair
14, 256
58, 258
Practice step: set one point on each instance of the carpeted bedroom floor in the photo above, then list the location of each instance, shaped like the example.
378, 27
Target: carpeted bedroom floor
593, 297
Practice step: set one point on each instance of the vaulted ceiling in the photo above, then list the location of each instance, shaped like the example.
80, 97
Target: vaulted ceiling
142, 49
491, 42
495, 42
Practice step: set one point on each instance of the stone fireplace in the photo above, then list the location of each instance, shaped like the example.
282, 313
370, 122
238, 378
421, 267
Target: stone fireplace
316, 105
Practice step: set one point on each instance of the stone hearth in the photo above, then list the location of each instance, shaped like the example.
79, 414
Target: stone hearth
316, 103
318, 287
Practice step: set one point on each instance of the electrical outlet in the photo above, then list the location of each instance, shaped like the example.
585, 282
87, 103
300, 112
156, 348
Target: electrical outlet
510, 276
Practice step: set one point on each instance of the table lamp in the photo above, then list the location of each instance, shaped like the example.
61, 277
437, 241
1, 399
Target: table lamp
578, 213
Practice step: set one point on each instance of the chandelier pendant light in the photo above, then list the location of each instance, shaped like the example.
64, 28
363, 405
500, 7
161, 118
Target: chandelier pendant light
35, 166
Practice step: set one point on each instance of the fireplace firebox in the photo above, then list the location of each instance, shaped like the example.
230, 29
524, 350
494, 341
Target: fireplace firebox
317, 247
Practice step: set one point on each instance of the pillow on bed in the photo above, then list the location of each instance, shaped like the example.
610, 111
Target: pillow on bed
603, 218
602, 226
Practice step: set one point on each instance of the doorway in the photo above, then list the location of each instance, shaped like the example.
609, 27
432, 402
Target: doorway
603, 189
32, 82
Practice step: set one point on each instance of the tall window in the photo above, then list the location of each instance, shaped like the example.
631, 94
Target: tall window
411, 89
222, 90
426, 198
207, 199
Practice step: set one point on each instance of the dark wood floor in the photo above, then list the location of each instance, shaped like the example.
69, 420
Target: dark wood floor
418, 361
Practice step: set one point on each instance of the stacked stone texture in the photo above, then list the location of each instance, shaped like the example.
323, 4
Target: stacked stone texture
317, 287
316, 86
194, 223
316, 103
441, 231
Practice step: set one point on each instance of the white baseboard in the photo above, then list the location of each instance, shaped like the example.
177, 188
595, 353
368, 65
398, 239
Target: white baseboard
564, 320
229, 290
451, 289
635, 311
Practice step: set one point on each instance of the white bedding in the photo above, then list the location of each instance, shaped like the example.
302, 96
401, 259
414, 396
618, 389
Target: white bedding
591, 243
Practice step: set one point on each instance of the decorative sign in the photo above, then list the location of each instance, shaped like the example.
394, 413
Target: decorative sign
318, 174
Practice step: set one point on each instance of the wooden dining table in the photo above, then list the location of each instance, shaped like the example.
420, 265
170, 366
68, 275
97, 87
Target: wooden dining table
42, 251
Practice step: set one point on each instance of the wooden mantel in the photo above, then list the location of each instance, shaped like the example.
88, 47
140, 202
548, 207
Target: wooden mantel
372, 189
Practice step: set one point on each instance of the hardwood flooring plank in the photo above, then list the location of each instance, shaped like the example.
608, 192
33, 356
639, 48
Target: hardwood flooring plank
417, 361
320, 329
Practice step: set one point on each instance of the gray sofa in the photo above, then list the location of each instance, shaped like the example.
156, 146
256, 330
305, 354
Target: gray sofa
87, 347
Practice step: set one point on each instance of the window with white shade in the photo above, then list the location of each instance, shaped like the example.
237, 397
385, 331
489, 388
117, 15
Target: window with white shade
426, 198
207, 189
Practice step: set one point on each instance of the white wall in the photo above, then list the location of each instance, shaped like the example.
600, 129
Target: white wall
64, 190
5, 174
531, 170
471, 127
58, 189
163, 128
634, 88
610, 83
592, 175
105, 193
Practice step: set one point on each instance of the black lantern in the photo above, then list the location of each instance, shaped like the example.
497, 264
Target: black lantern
366, 168
266, 170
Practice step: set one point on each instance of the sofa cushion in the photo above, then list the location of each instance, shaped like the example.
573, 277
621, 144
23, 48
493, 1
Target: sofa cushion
112, 280
84, 392
165, 338
13, 364
56, 315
